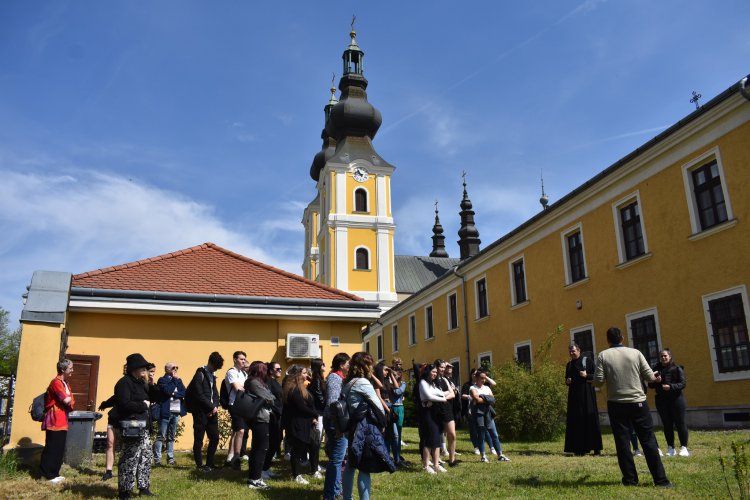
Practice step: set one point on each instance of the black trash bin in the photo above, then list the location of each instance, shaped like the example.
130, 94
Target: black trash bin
80, 438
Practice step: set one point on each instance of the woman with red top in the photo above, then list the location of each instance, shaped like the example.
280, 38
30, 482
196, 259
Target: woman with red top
58, 402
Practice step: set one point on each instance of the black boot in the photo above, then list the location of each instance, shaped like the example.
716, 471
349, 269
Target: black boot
146, 492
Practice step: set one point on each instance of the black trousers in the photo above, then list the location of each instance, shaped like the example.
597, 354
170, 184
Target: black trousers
53, 453
621, 417
672, 414
258, 448
299, 454
204, 425
274, 441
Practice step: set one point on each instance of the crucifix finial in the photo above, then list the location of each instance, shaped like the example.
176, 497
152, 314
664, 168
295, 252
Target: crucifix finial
696, 97
463, 176
354, 18
436, 204
333, 84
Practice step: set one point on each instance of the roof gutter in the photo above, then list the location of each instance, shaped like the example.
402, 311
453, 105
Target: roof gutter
106, 294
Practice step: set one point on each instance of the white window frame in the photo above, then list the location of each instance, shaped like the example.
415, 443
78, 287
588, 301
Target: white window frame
394, 338
448, 311
687, 178
616, 207
742, 290
486, 297
511, 273
354, 200
578, 228
429, 322
367, 347
369, 258
583, 328
522, 344
652, 311
412, 322
379, 348
485, 354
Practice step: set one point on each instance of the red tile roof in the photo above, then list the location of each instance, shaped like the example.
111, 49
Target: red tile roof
208, 269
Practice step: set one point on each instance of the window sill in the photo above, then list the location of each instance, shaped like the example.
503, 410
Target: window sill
357, 212
362, 270
713, 230
636, 260
413, 345
729, 376
519, 305
483, 318
430, 339
577, 283
452, 330
395, 352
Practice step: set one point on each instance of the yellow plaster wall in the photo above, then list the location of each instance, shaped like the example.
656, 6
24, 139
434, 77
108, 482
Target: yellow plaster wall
37, 360
189, 340
369, 185
360, 279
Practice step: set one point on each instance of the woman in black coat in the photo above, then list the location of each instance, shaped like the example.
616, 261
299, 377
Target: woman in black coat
670, 402
582, 433
300, 414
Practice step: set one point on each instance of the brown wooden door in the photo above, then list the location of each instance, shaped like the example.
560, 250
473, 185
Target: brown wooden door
83, 383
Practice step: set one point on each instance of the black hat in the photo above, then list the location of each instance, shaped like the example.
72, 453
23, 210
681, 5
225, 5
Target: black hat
136, 361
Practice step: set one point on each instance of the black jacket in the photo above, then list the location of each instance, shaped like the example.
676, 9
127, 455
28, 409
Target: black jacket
131, 398
317, 392
300, 413
672, 375
205, 398
278, 394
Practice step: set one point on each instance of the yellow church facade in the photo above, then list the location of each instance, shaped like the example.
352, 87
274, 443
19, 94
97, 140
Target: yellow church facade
656, 244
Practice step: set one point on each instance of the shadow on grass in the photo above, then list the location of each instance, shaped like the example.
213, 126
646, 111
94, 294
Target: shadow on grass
92, 490
536, 482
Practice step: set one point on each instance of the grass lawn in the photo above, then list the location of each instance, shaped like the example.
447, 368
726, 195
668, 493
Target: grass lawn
536, 470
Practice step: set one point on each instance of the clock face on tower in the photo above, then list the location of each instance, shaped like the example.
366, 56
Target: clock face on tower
360, 174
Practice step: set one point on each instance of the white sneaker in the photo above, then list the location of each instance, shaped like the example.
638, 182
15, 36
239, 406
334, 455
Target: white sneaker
245, 458
57, 480
445, 452
637, 453
317, 475
403, 445
670, 451
257, 484
429, 470
503, 458
321, 468
476, 451
301, 480
457, 453
660, 453
484, 459
493, 451
440, 468
684, 451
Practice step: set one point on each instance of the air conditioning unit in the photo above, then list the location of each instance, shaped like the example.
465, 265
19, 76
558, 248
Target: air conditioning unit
302, 345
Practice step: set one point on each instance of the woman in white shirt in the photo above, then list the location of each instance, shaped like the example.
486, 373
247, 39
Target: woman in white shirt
431, 396
484, 415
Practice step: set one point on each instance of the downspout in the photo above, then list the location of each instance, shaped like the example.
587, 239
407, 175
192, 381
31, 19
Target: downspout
466, 318
744, 90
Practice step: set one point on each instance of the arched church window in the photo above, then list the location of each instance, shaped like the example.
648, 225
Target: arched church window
362, 258
360, 200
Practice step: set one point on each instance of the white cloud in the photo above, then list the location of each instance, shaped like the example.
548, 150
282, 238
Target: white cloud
81, 221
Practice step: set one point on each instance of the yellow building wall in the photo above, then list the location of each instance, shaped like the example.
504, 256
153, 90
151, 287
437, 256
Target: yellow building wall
369, 185
673, 280
188, 341
37, 366
363, 280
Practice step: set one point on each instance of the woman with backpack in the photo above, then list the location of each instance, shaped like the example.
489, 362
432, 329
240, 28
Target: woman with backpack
58, 402
482, 411
301, 416
582, 432
256, 386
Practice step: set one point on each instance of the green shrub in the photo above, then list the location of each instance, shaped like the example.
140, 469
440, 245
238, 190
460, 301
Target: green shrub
740, 471
531, 405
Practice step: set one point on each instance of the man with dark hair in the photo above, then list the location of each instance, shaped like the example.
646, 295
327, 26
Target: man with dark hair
235, 381
273, 374
623, 370
206, 411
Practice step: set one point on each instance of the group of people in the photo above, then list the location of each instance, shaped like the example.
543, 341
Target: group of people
296, 411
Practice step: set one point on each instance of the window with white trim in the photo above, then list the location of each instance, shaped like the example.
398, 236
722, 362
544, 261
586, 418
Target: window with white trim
573, 255
412, 329
485, 359
362, 259
452, 311
429, 330
584, 337
380, 347
643, 333
523, 354
367, 347
629, 228
518, 281
480, 290
360, 200
706, 191
456, 371
394, 338
726, 316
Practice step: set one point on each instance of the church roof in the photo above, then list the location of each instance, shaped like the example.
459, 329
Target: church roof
208, 269
414, 272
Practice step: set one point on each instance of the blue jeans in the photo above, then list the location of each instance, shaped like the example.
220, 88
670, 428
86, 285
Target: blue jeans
336, 451
474, 433
490, 434
167, 430
363, 483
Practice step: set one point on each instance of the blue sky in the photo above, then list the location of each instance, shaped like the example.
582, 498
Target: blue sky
131, 129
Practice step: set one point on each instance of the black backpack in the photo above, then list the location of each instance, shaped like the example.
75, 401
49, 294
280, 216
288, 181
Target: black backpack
224, 395
339, 413
190, 392
37, 408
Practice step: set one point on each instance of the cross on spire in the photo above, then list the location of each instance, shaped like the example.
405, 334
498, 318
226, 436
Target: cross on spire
696, 97
354, 18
